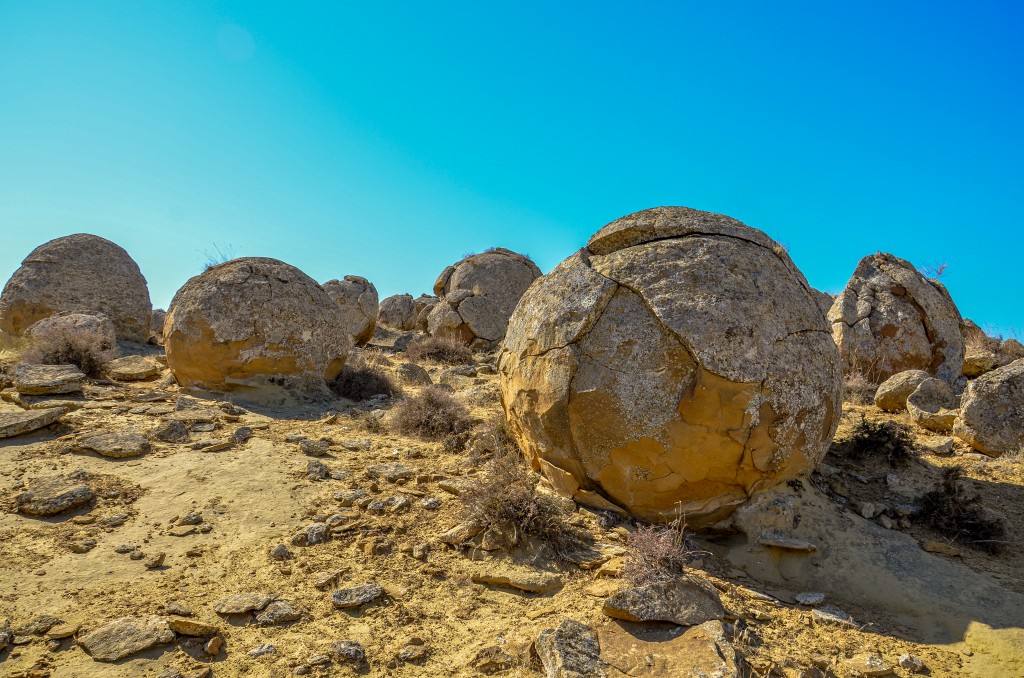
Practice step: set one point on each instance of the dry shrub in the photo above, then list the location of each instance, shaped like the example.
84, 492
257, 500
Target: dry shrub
64, 346
506, 497
489, 440
657, 553
448, 350
360, 381
887, 440
434, 414
858, 389
950, 510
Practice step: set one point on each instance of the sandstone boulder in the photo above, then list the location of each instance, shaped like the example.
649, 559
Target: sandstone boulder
930, 406
678, 363
892, 395
890, 318
397, 312
824, 300
992, 411
77, 273
47, 379
357, 298
76, 323
253, 324
424, 304
478, 294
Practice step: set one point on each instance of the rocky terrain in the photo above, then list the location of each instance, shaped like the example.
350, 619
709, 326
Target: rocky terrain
247, 494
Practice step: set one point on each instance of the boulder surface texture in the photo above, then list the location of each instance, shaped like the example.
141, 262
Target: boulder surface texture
397, 312
357, 298
78, 273
890, 318
254, 323
992, 411
677, 364
478, 294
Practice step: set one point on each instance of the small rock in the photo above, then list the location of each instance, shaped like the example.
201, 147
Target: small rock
317, 470
18, 422
886, 522
181, 530
213, 646
266, 648
315, 448
411, 373
492, 659
349, 497
411, 654
278, 612
787, 543
172, 431
945, 549
399, 504
156, 561
280, 552
390, 471
125, 637
316, 533
570, 651
37, 626
114, 445
461, 534
62, 631
131, 368
430, 503
212, 444
682, 601
191, 627
191, 519
241, 603
241, 435
942, 447
47, 379
533, 582
356, 596
137, 554
810, 599
52, 496
833, 615
420, 551
867, 664
912, 663
348, 652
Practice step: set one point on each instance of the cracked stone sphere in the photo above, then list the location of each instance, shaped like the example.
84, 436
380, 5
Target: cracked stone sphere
254, 324
675, 366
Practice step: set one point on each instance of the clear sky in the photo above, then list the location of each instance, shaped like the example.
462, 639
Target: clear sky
388, 139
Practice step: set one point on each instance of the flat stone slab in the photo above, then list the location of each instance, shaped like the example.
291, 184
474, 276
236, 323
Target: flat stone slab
533, 582
780, 541
114, 445
19, 422
390, 471
356, 596
240, 603
131, 368
681, 601
191, 627
52, 496
47, 379
702, 650
125, 637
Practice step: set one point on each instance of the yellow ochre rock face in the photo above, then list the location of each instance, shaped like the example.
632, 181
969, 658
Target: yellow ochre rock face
255, 324
676, 365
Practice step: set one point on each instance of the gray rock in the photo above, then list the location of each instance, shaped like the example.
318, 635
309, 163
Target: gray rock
52, 496
171, 431
356, 596
681, 601
6, 635
19, 422
47, 379
311, 535
892, 394
929, 405
570, 651
390, 471
398, 312
350, 497
261, 650
280, 552
241, 435
315, 448
810, 598
411, 373
357, 299
317, 470
348, 652
531, 581
114, 445
95, 324
131, 368
278, 612
125, 637
240, 603
912, 663
992, 411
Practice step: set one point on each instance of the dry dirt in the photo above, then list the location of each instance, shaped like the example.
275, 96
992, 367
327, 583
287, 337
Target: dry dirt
257, 495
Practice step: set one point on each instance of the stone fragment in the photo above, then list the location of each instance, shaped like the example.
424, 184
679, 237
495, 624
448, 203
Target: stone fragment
131, 368
912, 663
240, 603
279, 612
932, 546
892, 394
810, 598
531, 581
348, 652
868, 664
391, 471
125, 637
929, 405
786, 543
654, 651
570, 651
357, 299
19, 422
192, 627
47, 379
681, 601
356, 596
114, 444
411, 373
262, 650
52, 496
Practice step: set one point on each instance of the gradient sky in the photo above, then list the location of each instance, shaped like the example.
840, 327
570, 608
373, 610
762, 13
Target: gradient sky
390, 139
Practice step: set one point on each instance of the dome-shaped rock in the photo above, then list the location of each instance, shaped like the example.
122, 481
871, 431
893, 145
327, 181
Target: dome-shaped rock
397, 312
992, 411
252, 323
357, 298
678, 364
890, 318
77, 273
478, 294
77, 323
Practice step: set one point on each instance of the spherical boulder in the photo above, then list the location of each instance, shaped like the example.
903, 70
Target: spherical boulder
675, 366
478, 294
95, 324
77, 273
254, 324
892, 394
992, 411
890, 318
397, 312
357, 298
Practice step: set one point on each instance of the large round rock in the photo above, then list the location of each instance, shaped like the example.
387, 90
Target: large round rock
992, 411
357, 298
397, 312
253, 323
890, 319
478, 294
675, 366
77, 273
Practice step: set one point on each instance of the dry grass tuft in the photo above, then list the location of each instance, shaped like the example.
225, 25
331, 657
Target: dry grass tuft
506, 498
447, 350
950, 510
361, 381
657, 553
434, 414
887, 440
88, 351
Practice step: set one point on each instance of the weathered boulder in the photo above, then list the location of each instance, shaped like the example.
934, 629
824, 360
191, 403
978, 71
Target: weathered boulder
131, 368
52, 496
890, 318
684, 602
254, 324
125, 637
16, 422
824, 300
478, 294
397, 312
892, 395
678, 363
570, 651
78, 273
992, 411
113, 444
424, 304
979, 361
930, 406
357, 298
47, 379
76, 323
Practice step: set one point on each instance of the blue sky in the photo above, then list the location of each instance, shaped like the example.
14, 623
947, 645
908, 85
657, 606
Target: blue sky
389, 139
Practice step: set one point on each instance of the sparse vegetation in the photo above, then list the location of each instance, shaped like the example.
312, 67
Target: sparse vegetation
361, 381
951, 510
886, 440
858, 389
933, 271
448, 350
488, 440
506, 498
88, 351
433, 414
657, 553
218, 255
